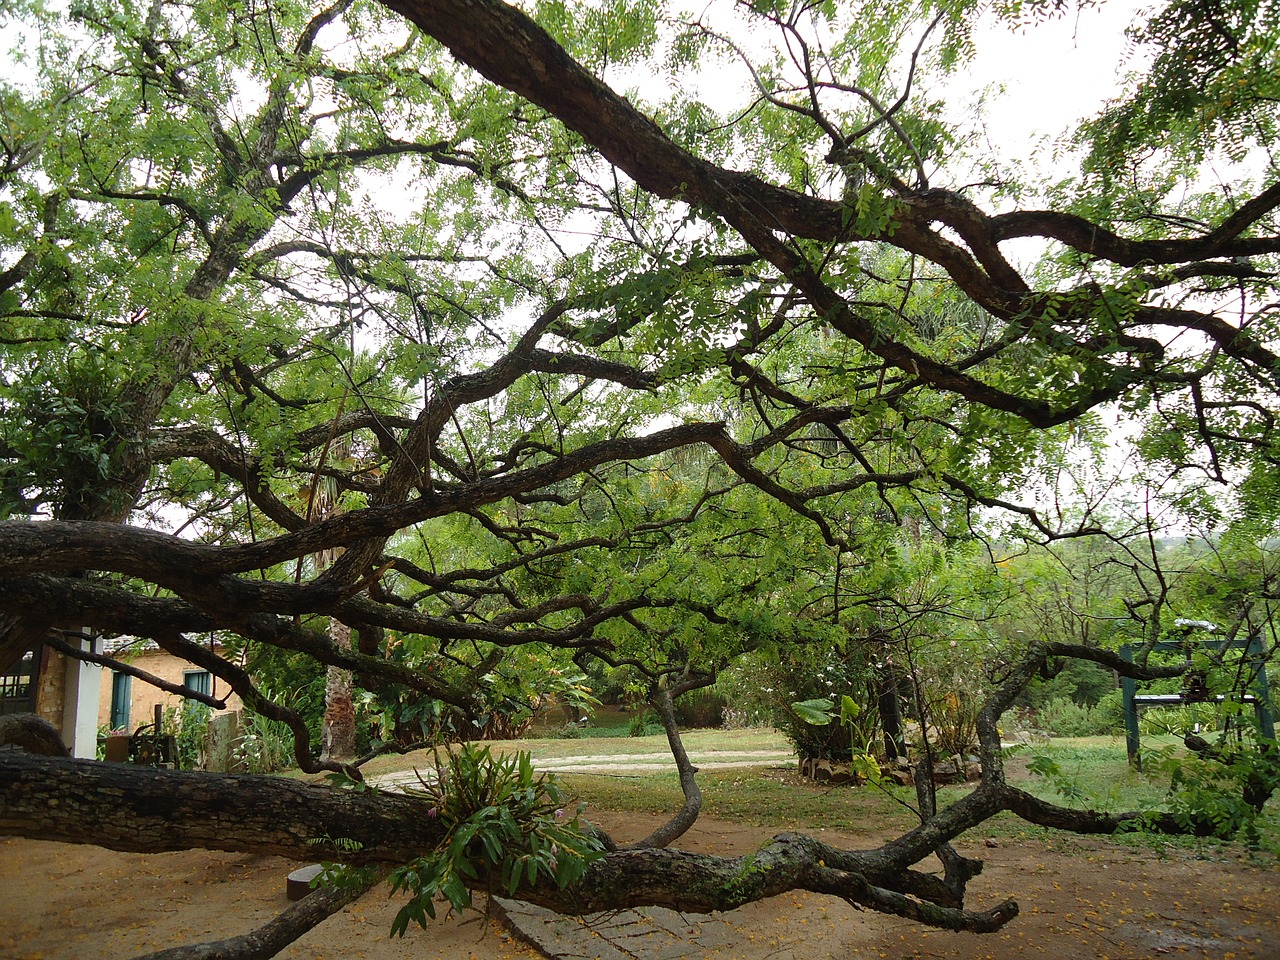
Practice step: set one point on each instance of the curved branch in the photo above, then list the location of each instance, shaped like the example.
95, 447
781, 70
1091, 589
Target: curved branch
1090, 238
119, 666
1045, 814
253, 698
687, 815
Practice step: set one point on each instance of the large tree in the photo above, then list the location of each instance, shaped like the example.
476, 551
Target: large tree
644, 378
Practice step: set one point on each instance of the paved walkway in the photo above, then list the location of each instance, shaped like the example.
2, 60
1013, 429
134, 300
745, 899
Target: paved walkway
617, 764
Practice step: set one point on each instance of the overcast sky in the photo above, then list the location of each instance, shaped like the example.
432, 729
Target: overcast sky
1054, 75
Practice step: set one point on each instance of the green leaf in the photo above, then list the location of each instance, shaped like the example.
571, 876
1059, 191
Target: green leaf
816, 712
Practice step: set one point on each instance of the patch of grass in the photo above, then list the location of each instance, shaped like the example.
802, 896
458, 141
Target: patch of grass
1091, 772
766, 797
1094, 773
695, 741
602, 733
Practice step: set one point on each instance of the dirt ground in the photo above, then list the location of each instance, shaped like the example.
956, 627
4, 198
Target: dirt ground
1080, 899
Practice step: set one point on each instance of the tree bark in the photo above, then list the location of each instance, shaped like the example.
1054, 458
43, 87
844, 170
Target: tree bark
141, 810
338, 731
890, 712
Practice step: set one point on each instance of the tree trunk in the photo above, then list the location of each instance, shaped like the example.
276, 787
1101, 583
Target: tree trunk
338, 733
890, 712
685, 817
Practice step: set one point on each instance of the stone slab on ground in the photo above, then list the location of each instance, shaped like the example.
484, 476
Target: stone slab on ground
654, 933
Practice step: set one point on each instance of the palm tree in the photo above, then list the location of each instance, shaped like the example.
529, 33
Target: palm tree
338, 729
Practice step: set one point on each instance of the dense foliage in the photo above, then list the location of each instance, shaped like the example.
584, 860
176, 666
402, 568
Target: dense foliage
398, 317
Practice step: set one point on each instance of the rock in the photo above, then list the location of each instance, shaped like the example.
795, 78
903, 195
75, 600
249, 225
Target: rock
827, 771
842, 773
28, 732
299, 883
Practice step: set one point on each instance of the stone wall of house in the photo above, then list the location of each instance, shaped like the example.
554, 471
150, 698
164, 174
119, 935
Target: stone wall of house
51, 689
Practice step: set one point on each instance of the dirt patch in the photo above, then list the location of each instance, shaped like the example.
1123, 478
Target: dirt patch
1081, 900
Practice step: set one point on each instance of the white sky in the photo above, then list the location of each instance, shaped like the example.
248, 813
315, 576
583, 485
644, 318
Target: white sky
1053, 75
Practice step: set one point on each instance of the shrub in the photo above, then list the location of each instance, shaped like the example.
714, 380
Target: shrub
1180, 720
1080, 681
568, 732
263, 745
188, 724
748, 688
813, 678
954, 718
703, 707
950, 680
502, 821
1109, 713
504, 709
1063, 717
644, 724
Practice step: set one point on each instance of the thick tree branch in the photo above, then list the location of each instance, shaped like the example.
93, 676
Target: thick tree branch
307, 821
510, 49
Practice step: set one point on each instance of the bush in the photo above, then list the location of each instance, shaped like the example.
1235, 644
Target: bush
263, 745
808, 677
525, 683
1179, 721
1063, 717
747, 688
700, 708
504, 822
949, 681
644, 725
1080, 681
188, 724
954, 723
1109, 713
